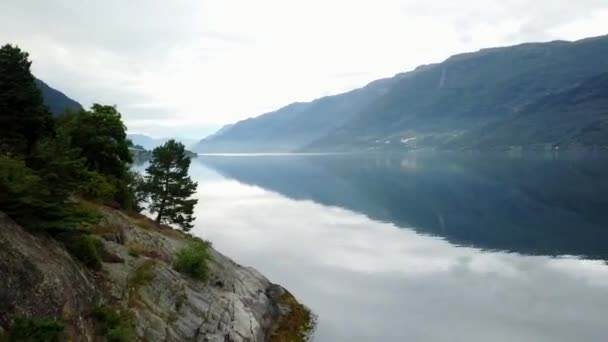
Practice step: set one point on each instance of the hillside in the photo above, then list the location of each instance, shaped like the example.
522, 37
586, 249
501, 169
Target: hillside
57, 101
444, 103
136, 275
471, 100
293, 126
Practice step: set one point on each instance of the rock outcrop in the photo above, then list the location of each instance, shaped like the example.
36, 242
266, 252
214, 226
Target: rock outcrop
40, 279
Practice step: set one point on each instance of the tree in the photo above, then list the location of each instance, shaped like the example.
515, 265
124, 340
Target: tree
101, 136
24, 118
169, 187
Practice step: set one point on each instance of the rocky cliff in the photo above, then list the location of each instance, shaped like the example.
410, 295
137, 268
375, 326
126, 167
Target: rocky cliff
41, 280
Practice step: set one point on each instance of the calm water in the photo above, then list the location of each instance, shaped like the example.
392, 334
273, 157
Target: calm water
421, 248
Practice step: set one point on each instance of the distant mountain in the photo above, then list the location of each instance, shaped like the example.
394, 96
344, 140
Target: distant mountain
532, 95
447, 105
57, 101
150, 143
295, 125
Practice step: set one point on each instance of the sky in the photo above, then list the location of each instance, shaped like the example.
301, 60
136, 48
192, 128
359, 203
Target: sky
186, 67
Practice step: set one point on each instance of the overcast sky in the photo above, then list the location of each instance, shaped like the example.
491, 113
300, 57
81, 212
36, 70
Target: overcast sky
189, 66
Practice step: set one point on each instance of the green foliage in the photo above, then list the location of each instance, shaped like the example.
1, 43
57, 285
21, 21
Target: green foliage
84, 247
36, 330
97, 187
21, 190
142, 275
101, 136
169, 187
193, 259
24, 119
115, 326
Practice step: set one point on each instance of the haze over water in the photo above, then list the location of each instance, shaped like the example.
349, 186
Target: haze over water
420, 248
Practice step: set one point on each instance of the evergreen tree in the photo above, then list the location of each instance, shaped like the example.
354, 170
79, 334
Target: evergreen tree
101, 136
169, 187
24, 118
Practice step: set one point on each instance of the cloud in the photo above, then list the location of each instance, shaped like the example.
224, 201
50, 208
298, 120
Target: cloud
213, 62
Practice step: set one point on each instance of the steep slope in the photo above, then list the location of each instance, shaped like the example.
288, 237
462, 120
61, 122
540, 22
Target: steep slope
446, 105
293, 126
57, 101
439, 103
576, 117
40, 280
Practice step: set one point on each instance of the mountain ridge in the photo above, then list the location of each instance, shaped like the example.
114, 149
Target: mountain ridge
432, 106
55, 100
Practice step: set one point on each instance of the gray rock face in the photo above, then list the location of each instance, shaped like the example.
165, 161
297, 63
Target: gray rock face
38, 278
232, 305
235, 303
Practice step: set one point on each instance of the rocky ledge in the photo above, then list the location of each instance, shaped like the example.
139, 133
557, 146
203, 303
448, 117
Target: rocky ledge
41, 280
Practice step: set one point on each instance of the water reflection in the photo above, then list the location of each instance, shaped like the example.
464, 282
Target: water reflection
343, 233
530, 206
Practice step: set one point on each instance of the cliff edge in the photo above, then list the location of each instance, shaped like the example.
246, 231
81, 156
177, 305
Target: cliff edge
137, 279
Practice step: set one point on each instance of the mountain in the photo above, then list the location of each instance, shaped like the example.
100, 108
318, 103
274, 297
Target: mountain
447, 105
150, 143
575, 117
492, 99
293, 126
57, 101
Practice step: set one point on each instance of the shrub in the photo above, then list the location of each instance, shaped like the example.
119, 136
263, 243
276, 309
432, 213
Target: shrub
142, 275
97, 187
115, 326
193, 259
84, 247
136, 249
36, 330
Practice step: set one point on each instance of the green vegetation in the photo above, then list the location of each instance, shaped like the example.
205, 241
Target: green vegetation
142, 275
136, 249
84, 247
24, 119
45, 161
36, 330
169, 187
193, 259
114, 325
297, 325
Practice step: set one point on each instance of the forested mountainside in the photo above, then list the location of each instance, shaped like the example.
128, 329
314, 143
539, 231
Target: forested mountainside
532, 95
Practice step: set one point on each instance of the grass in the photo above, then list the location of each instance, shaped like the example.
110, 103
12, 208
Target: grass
193, 259
142, 275
84, 247
114, 325
136, 249
36, 330
147, 223
297, 325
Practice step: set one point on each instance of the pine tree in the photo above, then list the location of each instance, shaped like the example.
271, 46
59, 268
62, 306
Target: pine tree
24, 118
169, 187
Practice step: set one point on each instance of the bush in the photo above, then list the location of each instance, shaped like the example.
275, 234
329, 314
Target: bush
115, 326
36, 330
142, 275
34, 201
193, 259
84, 247
97, 187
